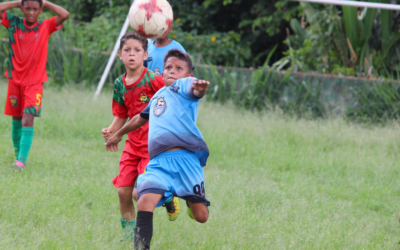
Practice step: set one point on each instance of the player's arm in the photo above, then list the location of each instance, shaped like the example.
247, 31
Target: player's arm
62, 14
114, 127
136, 122
8, 5
200, 88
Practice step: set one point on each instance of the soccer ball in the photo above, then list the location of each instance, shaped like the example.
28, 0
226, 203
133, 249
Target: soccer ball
151, 18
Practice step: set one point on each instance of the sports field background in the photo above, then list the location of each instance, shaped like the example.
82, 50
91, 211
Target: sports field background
274, 182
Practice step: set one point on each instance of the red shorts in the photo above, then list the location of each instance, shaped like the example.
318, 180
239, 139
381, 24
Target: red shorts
24, 99
130, 167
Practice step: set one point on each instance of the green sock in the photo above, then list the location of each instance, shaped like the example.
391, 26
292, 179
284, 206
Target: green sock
128, 228
16, 135
25, 144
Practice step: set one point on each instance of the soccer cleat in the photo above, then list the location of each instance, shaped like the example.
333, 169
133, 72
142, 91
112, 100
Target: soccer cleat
189, 211
19, 165
173, 208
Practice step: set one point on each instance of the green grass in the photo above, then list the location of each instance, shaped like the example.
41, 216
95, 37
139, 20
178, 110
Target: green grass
273, 182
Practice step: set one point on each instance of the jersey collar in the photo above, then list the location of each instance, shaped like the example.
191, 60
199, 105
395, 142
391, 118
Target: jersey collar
135, 83
33, 25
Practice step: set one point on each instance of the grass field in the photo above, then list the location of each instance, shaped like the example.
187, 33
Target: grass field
273, 182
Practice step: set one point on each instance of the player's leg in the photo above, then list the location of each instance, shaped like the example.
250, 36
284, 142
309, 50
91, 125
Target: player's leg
199, 211
32, 103
16, 134
127, 210
14, 107
141, 169
126, 206
153, 188
144, 227
124, 181
134, 194
26, 139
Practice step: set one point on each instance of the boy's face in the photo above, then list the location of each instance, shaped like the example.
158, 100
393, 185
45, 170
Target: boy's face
166, 33
31, 10
133, 54
175, 69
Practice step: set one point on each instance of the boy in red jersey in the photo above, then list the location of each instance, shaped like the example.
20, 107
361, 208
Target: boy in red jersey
26, 71
132, 92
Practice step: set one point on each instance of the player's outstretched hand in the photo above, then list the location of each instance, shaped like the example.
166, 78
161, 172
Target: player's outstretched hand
112, 143
201, 85
44, 3
106, 133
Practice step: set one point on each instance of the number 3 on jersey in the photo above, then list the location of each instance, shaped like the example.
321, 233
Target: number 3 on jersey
39, 99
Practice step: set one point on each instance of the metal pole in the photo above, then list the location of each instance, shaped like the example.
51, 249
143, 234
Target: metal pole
355, 4
111, 60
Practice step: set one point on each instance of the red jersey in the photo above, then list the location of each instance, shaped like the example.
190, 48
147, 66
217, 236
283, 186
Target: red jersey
129, 101
27, 49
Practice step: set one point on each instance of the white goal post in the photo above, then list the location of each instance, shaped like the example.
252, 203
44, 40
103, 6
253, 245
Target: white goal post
111, 60
385, 6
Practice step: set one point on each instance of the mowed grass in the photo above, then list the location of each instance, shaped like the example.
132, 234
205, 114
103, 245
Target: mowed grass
273, 182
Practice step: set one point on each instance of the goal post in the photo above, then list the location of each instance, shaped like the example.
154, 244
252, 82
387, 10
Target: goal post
385, 6
111, 59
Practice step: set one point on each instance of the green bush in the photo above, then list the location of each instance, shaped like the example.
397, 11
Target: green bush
264, 89
218, 48
375, 102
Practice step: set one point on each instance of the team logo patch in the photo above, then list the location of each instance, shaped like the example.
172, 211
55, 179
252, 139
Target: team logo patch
160, 107
157, 71
37, 36
174, 89
21, 36
13, 100
144, 97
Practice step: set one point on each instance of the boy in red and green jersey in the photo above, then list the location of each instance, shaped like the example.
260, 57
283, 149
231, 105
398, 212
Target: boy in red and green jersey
129, 101
26, 73
132, 92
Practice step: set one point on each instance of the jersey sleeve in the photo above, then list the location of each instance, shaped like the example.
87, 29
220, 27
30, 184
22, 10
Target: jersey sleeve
145, 114
5, 19
51, 23
118, 104
186, 88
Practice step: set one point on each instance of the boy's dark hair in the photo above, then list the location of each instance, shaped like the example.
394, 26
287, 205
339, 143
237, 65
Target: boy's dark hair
39, 1
181, 56
133, 35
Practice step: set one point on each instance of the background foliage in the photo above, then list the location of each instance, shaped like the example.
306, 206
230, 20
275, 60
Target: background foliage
269, 36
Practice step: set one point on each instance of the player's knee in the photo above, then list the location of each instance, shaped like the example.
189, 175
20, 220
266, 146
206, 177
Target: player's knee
148, 202
27, 120
125, 194
201, 217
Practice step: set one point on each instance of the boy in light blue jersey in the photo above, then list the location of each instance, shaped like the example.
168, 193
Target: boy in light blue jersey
177, 149
158, 49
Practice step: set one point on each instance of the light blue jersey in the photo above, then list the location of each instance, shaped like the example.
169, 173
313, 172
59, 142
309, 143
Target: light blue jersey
173, 113
155, 61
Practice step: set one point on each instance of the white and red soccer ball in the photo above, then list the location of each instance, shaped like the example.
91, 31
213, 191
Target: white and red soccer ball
151, 18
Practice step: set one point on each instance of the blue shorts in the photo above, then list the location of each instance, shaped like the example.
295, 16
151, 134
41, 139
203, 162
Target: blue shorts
174, 173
